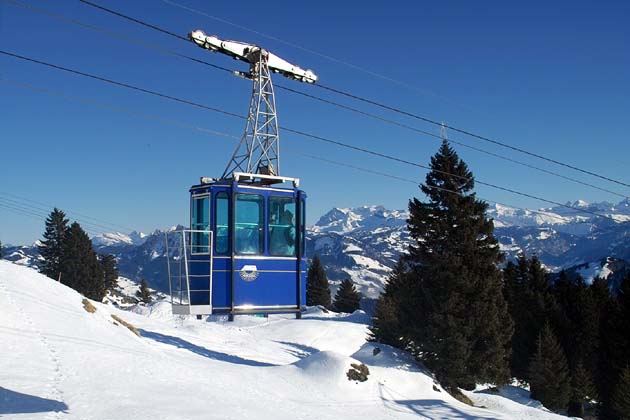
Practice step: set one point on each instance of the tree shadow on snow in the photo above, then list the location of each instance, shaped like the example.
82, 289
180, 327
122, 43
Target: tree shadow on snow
517, 394
202, 351
432, 409
299, 350
12, 402
358, 317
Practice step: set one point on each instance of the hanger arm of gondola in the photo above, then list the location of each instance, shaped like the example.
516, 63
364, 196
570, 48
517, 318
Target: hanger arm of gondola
251, 54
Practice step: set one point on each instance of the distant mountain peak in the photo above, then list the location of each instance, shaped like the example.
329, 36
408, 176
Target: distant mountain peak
580, 203
346, 220
119, 239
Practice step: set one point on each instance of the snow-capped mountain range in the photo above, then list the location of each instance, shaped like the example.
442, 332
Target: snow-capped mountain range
119, 239
364, 243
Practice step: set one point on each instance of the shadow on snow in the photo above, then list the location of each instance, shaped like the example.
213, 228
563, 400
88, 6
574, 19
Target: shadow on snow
202, 351
12, 402
358, 317
298, 350
432, 409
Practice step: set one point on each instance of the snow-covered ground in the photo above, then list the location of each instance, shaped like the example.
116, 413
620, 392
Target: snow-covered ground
592, 270
59, 361
125, 294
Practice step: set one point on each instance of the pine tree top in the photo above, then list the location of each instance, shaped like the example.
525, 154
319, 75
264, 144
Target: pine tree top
347, 298
448, 173
317, 287
453, 223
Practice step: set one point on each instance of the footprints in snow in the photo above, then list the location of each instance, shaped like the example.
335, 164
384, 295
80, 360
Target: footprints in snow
57, 376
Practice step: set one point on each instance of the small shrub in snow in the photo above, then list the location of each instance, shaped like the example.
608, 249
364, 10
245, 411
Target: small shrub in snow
129, 326
87, 305
144, 293
358, 372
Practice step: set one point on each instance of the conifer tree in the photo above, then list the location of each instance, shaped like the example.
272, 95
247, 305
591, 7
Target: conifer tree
527, 311
578, 322
110, 271
51, 247
616, 343
144, 293
603, 304
386, 323
582, 391
549, 372
611, 357
347, 298
80, 268
317, 287
461, 328
621, 397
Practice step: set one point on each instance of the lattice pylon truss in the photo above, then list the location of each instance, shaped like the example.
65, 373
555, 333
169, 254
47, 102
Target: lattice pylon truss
258, 152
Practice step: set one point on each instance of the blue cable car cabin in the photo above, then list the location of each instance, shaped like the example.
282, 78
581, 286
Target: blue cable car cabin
246, 251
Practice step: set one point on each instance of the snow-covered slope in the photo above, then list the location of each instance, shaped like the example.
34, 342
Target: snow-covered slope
59, 361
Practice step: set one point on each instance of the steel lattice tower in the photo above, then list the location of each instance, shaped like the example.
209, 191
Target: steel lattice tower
258, 152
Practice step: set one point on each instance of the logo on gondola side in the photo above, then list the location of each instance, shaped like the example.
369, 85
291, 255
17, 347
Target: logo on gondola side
249, 272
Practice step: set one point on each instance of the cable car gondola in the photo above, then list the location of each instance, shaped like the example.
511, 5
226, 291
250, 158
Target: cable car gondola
244, 251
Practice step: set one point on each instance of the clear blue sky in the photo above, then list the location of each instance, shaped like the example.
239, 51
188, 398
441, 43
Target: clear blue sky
550, 77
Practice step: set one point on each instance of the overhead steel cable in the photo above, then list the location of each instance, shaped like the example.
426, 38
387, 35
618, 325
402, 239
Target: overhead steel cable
389, 107
233, 137
438, 137
112, 107
39, 216
541, 212
125, 85
158, 48
212, 132
138, 21
116, 35
29, 207
469, 133
291, 130
46, 207
325, 56
359, 168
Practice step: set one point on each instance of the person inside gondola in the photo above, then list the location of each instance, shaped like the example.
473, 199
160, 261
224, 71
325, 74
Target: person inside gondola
282, 241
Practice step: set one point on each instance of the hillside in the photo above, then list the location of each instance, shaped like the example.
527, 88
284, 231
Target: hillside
67, 363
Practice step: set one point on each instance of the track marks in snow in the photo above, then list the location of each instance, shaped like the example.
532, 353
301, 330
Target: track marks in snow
55, 377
